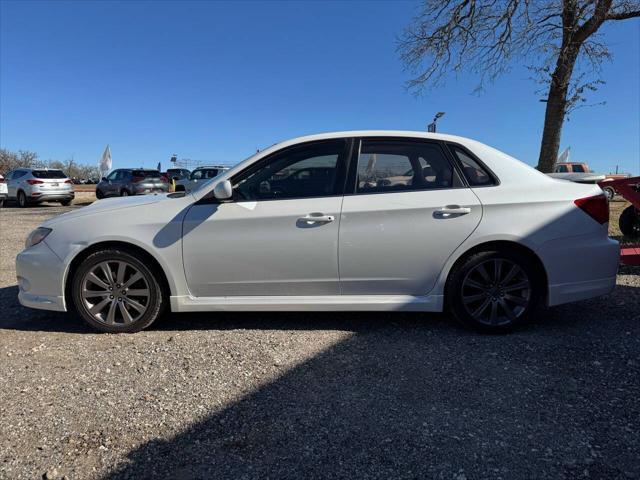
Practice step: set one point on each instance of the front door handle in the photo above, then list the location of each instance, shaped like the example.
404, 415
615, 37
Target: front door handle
317, 217
450, 211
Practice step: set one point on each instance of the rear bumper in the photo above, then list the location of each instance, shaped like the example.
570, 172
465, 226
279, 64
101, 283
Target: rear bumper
52, 197
146, 190
572, 292
580, 267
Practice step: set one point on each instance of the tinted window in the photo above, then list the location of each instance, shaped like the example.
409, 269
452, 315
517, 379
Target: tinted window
146, 173
473, 171
308, 171
398, 165
113, 175
562, 169
48, 174
578, 169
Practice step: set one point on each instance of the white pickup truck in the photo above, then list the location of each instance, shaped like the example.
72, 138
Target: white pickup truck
580, 172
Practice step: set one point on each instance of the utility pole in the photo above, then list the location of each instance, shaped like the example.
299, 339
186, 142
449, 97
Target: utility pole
431, 128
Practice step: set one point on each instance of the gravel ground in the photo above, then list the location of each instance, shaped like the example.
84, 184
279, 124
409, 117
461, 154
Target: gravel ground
317, 394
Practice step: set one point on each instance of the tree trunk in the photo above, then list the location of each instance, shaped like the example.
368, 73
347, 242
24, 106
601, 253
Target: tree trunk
556, 108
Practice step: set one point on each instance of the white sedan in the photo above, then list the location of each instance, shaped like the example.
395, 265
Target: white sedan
317, 223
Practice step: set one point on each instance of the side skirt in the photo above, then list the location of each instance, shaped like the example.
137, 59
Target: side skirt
327, 303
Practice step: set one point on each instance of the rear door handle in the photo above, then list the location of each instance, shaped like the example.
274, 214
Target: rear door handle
317, 217
450, 211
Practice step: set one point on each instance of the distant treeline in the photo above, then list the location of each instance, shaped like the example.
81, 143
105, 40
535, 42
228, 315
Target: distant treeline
23, 158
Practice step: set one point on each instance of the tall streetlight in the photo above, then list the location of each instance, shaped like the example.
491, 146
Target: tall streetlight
432, 126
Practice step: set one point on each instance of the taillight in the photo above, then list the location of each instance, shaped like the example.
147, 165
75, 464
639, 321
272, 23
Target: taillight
596, 207
68, 181
136, 179
34, 182
164, 179
2, 180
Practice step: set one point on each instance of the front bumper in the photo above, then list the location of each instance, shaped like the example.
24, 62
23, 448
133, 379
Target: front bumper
40, 273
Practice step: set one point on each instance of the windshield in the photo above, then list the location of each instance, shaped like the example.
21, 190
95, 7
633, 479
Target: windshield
48, 174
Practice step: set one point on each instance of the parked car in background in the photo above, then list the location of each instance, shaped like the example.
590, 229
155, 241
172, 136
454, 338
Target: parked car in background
36, 185
3, 191
580, 172
177, 173
132, 181
475, 232
200, 174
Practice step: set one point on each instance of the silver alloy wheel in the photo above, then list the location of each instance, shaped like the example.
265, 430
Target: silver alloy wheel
115, 292
496, 292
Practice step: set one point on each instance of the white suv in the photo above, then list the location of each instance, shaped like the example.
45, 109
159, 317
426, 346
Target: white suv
37, 185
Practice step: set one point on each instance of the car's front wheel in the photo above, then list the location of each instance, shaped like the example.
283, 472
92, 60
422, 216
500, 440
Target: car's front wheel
115, 292
493, 291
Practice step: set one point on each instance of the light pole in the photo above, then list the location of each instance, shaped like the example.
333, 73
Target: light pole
432, 126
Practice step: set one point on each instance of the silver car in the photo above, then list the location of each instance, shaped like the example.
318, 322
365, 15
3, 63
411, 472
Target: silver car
200, 174
132, 181
37, 185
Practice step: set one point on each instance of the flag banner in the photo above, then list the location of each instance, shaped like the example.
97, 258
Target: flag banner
105, 161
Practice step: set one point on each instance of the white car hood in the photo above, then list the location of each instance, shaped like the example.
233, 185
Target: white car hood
108, 205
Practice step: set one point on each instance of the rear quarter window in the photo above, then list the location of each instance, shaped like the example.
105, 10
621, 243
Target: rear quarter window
473, 171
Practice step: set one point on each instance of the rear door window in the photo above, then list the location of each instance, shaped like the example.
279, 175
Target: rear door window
394, 165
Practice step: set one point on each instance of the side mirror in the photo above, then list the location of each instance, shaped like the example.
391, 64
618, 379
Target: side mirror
223, 190
103, 179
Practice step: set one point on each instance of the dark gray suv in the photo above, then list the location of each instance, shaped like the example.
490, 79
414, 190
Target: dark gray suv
132, 181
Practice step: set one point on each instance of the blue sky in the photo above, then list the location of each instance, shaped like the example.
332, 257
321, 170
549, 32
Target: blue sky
213, 80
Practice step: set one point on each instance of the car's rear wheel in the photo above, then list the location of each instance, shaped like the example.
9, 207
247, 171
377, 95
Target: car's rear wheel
493, 291
629, 222
609, 192
22, 199
115, 292
65, 203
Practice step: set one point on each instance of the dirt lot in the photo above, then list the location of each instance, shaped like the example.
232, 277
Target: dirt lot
317, 395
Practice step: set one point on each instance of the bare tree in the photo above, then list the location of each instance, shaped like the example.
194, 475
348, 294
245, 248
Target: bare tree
10, 160
557, 39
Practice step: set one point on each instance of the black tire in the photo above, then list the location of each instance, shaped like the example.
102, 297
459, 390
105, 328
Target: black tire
22, 199
462, 274
124, 193
1, 202
99, 194
65, 203
156, 299
629, 222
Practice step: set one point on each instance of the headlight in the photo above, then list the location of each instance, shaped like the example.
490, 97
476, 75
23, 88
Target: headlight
36, 236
